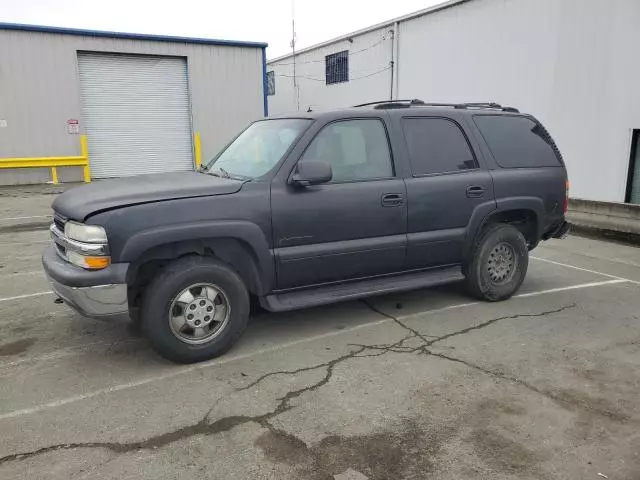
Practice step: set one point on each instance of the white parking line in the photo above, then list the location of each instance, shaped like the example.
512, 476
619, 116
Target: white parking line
572, 287
583, 269
18, 297
217, 362
24, 218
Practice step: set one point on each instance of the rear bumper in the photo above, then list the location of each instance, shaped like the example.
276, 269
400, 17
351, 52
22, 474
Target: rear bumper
102, 296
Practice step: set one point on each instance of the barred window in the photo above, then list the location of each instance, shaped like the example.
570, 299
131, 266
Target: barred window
337, 67
271, 83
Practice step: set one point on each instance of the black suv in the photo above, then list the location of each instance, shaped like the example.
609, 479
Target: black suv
309, 209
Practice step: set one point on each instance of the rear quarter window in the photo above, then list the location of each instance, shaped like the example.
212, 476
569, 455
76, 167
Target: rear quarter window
517, 142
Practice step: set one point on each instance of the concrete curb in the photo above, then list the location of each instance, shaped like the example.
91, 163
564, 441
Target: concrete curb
606, 235
609, 216
605, 220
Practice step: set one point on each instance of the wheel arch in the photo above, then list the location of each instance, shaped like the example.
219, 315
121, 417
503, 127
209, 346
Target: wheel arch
526, 214
240, 245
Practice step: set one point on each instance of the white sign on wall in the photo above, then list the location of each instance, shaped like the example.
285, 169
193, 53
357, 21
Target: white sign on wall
73, 126
3, 123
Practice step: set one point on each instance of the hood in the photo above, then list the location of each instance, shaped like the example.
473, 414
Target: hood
79, 203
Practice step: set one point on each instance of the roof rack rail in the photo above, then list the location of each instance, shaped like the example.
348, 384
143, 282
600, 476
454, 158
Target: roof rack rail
420, 103
491, 105
414, 101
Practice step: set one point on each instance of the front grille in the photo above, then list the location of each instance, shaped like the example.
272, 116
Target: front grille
59, 221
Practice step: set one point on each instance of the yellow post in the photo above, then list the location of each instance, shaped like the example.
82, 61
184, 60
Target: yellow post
197, 149
84, 149
54, 175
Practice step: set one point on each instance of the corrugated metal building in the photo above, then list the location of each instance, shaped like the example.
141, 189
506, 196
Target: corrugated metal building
143, 101
572, 63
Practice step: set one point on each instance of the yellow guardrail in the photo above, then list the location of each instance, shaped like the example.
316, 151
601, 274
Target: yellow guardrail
197, 149
53, 162
78, 161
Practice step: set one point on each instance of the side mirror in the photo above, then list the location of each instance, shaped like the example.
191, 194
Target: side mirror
311, 172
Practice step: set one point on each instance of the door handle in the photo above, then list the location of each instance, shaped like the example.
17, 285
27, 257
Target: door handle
475, 191
392, 200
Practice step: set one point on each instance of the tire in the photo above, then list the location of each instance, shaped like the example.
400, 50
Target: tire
498, 263
179, 339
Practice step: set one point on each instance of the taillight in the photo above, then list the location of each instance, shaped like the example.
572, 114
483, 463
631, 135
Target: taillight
565, 202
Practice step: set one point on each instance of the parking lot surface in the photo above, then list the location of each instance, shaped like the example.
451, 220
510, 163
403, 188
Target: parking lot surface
426, 384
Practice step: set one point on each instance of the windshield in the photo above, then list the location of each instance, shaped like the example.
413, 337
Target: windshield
258, 149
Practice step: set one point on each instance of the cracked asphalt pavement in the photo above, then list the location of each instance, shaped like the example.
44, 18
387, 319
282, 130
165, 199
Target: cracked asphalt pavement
425, 384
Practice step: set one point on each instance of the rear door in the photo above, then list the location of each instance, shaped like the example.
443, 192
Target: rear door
445, 187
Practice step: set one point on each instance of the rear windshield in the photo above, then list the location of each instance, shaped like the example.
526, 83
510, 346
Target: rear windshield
517, 142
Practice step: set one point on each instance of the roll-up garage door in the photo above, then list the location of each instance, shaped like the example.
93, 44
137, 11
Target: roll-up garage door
136, 114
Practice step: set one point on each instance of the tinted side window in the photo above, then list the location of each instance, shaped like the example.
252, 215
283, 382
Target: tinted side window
517, 142
436, 145
356, 150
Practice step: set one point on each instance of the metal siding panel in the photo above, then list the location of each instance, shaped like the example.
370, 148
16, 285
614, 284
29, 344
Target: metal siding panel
136, 111
559, 60
40, 90
38, 93
24, 176
597, 78
225, 85
371, 56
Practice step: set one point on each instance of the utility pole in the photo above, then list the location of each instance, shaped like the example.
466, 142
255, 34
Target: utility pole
392, 62
296, 90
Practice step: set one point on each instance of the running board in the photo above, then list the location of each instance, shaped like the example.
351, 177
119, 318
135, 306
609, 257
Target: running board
323, 295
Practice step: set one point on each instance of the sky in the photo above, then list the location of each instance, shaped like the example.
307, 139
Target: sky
253, 20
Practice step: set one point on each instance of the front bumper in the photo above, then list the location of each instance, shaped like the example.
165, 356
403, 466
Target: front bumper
100, 294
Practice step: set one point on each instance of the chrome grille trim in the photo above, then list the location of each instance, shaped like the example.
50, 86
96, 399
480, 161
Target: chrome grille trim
63, 243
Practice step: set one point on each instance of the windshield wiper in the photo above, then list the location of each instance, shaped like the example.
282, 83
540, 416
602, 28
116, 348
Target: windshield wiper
222, 173
219, 172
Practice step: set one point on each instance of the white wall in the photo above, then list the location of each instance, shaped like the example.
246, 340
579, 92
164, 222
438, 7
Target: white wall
572, 63
568, 62
596, 102
369, 54
484, 50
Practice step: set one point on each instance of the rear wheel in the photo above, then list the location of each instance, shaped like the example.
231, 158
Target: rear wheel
498, 263
196, 308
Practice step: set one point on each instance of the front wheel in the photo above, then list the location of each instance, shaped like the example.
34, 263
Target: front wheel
194, 310
498, 263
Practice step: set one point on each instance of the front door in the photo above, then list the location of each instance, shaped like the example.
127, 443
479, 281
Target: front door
351, 227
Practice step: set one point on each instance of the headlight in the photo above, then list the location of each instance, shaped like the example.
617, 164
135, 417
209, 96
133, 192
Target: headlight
85, 233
